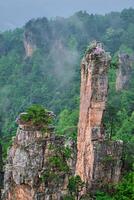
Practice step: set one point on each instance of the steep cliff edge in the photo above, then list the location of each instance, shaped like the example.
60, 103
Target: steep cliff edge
92, 149
39, 165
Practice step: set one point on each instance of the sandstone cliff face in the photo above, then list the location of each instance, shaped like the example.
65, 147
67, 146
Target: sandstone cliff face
94, 84
91, 146
29, 44
123, 73
30, 172
107, 163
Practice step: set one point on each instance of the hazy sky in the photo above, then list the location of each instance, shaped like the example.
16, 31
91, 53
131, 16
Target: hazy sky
14, 13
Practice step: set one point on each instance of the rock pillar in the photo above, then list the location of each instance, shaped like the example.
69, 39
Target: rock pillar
37, 165
124, 71
93, 96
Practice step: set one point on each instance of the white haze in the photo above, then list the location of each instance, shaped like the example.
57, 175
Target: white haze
64, 62
15, 13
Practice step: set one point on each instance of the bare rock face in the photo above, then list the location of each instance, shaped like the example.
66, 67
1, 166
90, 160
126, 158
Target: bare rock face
123, 73
107, 163
93, 94
29, 44
36, 167
91, 146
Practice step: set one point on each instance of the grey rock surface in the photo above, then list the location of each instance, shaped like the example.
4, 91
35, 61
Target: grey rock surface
28, 159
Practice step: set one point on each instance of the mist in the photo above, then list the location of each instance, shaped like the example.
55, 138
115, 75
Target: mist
64, 61
16, 13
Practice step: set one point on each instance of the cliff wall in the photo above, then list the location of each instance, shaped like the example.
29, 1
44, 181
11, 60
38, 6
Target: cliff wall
92, 149
124, 70
37, 165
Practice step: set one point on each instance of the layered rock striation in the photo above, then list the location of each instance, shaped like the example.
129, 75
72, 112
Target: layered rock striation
37, 165
91, 146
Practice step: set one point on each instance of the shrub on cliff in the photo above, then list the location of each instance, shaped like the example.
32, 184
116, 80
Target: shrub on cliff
57, 165
37, 115
122, 191
75, 185
125, 189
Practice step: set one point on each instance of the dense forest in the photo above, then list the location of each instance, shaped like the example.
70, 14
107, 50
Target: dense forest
50, 76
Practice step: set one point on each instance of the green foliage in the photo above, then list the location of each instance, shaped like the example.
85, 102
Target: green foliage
122, 191
67, 152
60, 157
50, 177
102, 196
119, 113
60, 150
68, 197
57, 166
108, 159
125, 189
37, 115
128, 156
58, 163
75, 185
67, 123
38, 80
113, 36
86, 197
127, 16
6, 142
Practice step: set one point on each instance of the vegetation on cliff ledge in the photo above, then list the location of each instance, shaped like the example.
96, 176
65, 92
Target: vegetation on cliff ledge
37, 115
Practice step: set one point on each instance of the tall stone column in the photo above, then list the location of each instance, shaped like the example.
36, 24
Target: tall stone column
93, 96
124, 71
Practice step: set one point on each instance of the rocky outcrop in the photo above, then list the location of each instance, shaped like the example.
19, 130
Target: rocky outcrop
93, 94
29, 44
39, 165
91, 146
38, 34
107, 163
124, 70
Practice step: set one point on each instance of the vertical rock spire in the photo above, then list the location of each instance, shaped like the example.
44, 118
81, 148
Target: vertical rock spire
93, 96
124, 71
